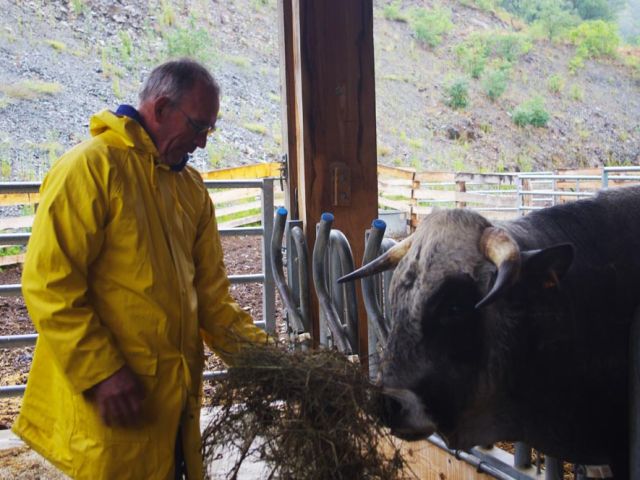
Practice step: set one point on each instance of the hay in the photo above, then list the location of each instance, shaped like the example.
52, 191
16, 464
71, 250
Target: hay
310, 415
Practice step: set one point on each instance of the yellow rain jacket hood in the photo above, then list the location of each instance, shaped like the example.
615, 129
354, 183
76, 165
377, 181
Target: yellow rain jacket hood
124, 266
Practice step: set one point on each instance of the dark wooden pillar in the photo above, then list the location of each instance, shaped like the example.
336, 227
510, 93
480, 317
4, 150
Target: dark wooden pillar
335, 129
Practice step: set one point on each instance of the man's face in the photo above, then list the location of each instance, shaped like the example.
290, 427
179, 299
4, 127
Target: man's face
186, 124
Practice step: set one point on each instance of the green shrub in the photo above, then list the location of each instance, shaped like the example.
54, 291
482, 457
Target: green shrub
457, 94
555, 83
510, 46
430, 25
576, 93
392, 12
494, 83
595, 38
554, 21
471, 58
474, 53
531, 112
188, 42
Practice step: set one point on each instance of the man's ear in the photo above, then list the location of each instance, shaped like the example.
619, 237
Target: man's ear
160, 108
545, 268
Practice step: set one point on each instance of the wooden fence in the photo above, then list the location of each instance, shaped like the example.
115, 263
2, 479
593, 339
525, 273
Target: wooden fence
407, 191
496, 195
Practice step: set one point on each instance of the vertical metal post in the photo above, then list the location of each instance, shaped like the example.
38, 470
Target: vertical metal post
520, 196
522, 457
634, 399
605, 177
269, 286
552, 469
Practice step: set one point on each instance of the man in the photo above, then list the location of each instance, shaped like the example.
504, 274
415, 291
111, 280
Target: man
123, 279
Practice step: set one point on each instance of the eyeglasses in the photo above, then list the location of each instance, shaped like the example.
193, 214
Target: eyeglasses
198, 128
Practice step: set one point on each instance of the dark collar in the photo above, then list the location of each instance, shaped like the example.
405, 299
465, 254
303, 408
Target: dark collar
131, 112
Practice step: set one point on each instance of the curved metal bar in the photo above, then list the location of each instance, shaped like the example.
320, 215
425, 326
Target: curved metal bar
279, 222
344, 294
387, 243
302, 254
326, 306
368, 284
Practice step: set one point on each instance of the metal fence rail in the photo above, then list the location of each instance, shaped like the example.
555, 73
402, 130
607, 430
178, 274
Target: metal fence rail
266, 187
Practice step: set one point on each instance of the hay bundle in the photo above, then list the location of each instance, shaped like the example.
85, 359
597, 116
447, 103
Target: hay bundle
310, 415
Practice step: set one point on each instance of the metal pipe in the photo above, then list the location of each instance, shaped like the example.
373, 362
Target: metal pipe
553, 468
522, 455
14, 238
16, 341
480, 465
634, 398
368, 284
279, 224
268, 284
11, 290
345, 294
327, 309
302, 260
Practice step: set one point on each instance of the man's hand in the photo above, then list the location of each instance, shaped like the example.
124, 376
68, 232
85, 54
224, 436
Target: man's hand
119, 398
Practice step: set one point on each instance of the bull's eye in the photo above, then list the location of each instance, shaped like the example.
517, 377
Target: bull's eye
456, 310
453, 303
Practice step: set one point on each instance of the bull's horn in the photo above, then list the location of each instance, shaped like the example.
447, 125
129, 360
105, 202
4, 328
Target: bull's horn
386, 261
499, 247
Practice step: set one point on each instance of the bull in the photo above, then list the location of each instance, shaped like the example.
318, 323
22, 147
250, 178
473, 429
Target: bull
516, 331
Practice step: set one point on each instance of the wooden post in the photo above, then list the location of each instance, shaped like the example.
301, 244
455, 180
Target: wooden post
288, 103
335, 122
461, 187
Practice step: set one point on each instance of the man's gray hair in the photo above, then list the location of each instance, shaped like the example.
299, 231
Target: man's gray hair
175, 78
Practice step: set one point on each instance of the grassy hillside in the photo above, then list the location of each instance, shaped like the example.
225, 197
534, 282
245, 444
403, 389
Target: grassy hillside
461, 85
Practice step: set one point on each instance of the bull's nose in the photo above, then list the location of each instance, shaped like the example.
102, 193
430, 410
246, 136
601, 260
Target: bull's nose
404, 413
390, 410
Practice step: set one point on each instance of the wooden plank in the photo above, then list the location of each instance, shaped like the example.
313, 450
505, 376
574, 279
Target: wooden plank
396, 191
15, 223
240, 222
396, 172
488, 199
579, 171
428, 462
234, 195
258, 170
234, 209
582, 185
486, 178
7, 199
440, 195
400, 205
394, 182
432, 177
11, 260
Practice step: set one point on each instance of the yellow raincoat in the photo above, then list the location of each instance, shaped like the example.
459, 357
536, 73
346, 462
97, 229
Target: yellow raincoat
124, 267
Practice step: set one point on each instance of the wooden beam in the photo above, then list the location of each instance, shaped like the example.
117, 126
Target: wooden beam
288, 103
336, 129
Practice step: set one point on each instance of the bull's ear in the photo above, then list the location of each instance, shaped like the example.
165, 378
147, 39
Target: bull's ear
546, 267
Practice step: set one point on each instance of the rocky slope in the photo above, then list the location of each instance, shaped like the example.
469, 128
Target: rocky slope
62, 60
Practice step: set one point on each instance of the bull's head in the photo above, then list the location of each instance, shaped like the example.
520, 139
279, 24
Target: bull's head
454, 303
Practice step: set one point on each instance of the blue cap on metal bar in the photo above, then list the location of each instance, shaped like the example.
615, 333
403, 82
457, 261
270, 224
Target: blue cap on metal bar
379, 224
282, 211
327, 217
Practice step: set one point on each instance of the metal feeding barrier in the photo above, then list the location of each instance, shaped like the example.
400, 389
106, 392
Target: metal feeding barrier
265, 277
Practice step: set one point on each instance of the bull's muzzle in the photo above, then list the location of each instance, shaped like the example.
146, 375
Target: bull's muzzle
403, 412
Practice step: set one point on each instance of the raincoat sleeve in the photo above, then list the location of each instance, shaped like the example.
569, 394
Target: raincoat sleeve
224, 325
67, 236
